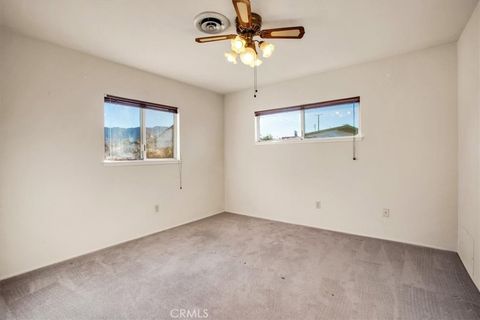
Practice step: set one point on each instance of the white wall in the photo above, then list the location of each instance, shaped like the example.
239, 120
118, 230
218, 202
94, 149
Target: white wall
468, 146
57, 199
407, 161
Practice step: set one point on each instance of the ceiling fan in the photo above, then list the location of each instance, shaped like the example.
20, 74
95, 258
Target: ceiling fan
249, 25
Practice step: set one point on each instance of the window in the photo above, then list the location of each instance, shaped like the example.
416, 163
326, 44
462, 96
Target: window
139, 131
334, 119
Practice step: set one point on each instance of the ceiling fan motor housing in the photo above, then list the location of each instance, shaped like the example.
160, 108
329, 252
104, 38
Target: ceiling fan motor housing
211, 22
253, 30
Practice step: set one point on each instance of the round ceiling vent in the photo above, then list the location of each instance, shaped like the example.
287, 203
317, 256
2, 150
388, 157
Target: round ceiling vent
211, 22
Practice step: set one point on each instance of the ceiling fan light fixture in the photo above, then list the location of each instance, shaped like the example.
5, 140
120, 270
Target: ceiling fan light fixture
238, 44
244, 43
267, 49
248, 56
257, 63
231, 57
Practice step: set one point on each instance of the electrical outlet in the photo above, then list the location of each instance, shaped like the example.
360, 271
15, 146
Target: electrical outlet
318, 204
386, 213
157, 208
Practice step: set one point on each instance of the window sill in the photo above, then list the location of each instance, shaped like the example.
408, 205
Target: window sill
313, 140
111, 163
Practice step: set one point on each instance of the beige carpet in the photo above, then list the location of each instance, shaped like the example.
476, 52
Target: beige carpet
235, 267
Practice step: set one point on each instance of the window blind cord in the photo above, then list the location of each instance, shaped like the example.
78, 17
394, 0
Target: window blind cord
354, 147
180, 174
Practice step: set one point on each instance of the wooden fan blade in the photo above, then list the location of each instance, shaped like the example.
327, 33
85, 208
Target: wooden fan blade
283, 33
244, 12
215, 38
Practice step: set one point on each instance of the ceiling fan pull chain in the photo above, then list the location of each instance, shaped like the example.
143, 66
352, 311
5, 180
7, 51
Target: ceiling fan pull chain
254, 82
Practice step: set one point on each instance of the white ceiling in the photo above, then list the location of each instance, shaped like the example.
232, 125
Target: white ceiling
158, 35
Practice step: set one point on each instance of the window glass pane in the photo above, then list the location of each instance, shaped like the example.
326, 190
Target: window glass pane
279, 126
159, 134
334, 121
122, 132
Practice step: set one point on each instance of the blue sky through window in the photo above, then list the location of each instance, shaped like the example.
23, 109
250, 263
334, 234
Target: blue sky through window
155, 118
121, 116
280, 125
116, 115
330, 117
